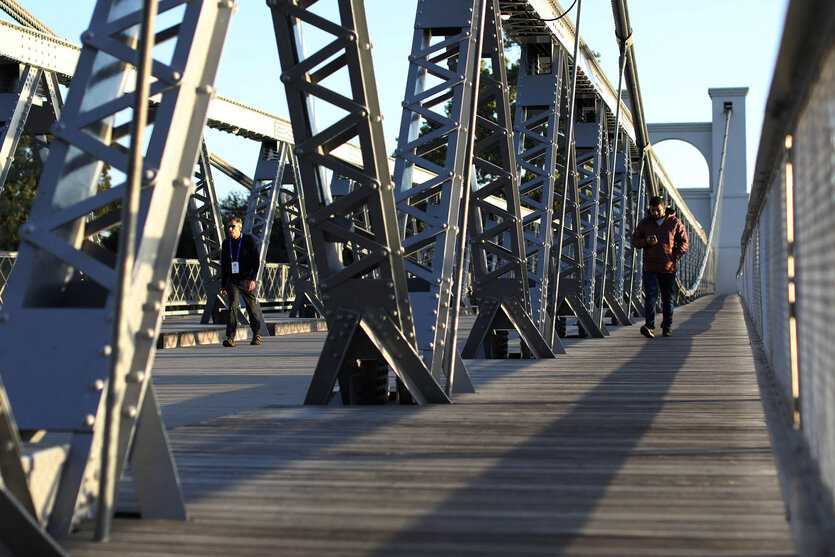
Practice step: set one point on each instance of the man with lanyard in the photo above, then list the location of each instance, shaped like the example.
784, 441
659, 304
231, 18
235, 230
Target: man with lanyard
238, 268
663, 238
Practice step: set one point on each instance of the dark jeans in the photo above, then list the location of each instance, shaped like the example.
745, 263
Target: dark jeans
235, 290
653, 282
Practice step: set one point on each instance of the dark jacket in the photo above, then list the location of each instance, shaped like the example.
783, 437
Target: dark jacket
247, 257
672, 242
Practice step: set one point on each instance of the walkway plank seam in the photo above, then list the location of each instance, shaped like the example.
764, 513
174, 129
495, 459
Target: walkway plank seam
622, 446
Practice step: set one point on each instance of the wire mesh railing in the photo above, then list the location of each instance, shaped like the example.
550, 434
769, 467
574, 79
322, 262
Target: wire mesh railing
786, 274
186, 294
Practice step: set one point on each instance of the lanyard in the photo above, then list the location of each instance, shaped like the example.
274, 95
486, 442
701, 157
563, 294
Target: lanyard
237, 253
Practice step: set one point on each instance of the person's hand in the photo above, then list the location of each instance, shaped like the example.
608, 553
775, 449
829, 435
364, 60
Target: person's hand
223, 292
652, 240
251, 285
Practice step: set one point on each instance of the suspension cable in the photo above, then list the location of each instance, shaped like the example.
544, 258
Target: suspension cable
717, 207
22, 16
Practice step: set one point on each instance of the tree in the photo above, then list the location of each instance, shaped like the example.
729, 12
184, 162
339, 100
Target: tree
16, 199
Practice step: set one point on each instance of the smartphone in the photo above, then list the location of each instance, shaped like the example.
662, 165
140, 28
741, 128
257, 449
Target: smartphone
651, 237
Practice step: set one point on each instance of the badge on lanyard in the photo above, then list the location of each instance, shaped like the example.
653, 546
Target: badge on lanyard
236, 268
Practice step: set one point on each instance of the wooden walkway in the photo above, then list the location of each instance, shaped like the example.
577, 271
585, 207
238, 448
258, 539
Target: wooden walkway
624, 446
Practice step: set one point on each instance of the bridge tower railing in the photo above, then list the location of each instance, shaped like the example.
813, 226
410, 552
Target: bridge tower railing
787, 266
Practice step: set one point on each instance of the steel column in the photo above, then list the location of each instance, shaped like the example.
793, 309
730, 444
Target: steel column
63, 282
366, 299
500, 274
430, 168
540, 96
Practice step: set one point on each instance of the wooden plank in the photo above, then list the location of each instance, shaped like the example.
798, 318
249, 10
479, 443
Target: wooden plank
622, 446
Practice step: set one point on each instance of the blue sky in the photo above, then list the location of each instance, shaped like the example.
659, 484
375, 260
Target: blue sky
682, 50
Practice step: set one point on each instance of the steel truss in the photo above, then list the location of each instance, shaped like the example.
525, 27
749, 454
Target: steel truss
64, 282
431, 170
308, 302
271, 174
539, 139
18, 110
207, 230
365, 296
500, 275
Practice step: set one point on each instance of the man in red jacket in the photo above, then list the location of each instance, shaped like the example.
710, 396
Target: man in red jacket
664, 240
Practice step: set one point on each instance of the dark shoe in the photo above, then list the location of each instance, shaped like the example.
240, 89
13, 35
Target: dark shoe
647, 332
229, 342
256, 339
667, 331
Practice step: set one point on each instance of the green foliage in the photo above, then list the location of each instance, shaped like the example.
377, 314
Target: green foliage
16, 199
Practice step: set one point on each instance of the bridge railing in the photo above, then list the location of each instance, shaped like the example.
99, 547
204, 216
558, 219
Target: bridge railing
787, 269
186, 294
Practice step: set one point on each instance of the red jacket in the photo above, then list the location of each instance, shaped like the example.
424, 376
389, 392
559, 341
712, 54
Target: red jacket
672, 242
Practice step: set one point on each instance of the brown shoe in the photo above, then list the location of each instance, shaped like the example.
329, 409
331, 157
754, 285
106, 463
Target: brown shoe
667, 331
229, 342
256, 339
647, 332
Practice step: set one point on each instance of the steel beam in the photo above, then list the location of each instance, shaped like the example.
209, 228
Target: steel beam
495, 219
369, 287
434, 137
540, 97
64, 281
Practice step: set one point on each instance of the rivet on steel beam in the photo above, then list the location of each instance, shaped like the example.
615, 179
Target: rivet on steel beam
8, 446
29, 228
148, 176
153, 306
149, 334
184, 182
89, 420
105, 351
158, 285
431, 345
177, 76
226, 4
129, 412
98, 385
136, 376
87, 36
351, 36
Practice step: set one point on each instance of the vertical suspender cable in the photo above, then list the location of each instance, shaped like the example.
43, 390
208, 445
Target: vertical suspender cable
130, 210
613, 169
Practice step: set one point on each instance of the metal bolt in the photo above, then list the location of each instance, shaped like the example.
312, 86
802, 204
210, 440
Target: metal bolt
153, 306
8, 446
105, 351
149, 334
158, 285
129, 412
89, 420
29, 228
98, 385
149, 175
177, 76
136, 376
226, 4
183, 182
87, 36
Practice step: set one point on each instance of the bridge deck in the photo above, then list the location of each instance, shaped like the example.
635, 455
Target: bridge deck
623, 446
